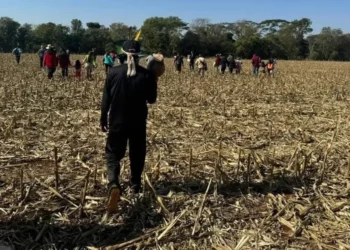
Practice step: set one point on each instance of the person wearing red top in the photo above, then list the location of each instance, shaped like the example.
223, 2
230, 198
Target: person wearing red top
217, 62
256, 60
50, 61
64, 62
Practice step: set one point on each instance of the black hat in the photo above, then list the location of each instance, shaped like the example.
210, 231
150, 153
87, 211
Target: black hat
131, 46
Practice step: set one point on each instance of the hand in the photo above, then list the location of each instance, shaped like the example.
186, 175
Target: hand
104, 128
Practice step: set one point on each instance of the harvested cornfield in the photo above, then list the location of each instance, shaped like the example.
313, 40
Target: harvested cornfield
233, 162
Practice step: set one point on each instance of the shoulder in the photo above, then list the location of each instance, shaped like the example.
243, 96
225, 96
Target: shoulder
118, 69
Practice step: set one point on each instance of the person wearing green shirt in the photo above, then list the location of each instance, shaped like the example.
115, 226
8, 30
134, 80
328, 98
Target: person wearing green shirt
89, 63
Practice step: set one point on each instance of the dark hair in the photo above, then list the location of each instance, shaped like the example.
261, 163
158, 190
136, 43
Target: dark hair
77, 64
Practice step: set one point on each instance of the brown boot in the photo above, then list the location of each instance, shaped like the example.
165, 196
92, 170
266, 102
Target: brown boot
114, 194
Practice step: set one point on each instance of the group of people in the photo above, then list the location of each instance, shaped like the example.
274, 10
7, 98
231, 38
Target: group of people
50, 59
221, 63
193, 62
260, 66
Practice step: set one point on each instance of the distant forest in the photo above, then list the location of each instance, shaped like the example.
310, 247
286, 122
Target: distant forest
271, 38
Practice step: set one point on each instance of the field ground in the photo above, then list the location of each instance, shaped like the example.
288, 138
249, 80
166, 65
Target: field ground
234, 162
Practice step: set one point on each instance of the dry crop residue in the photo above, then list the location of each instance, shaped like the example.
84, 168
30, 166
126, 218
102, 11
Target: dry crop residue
234, 162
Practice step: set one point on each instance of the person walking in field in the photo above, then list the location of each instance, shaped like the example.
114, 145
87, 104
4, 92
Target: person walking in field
64, 62
108, 61
128, 89
217, 62
231, 63
41, 53
223, 64
192, 59
77, 70
50, 61
202, 65
263, 66
178, 62
89, 63
17, 52
271, 67
256, 60
239, 64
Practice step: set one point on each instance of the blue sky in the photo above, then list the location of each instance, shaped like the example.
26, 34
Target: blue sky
331, 13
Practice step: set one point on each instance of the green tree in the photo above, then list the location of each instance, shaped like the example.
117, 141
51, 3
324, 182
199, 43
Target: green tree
121, 31
8, 33
25, 37
159, 33
190, 42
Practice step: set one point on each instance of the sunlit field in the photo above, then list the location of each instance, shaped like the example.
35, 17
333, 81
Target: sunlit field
233, 162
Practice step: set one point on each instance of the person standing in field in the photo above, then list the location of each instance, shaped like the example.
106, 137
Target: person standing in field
223, 64
192, 61
202, 65
217, 62
231, 63
64, 62
178, 62
41, 53
77, 69
128, 89
108, 61
50, 61
256, 60
271, 67
89, 63
239, 64
17, 52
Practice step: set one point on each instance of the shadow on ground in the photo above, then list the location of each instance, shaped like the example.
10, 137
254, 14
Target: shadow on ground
20, 233
40, 233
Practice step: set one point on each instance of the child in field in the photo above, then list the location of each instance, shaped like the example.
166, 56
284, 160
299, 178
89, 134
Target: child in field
77, 69
270, 67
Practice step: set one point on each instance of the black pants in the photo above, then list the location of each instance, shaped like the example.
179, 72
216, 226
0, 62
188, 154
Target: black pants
178, 67
191, 66
116, 148
50, 72
64, 72
41, 59
18, 59
107, 66
223, 69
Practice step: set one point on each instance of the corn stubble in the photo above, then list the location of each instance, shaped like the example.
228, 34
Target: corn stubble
233, 162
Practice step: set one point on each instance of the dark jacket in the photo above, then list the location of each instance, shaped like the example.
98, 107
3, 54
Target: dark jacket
223, 62
63, 60
126, 98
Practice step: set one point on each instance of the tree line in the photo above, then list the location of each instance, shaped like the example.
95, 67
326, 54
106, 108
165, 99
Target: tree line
275, 38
